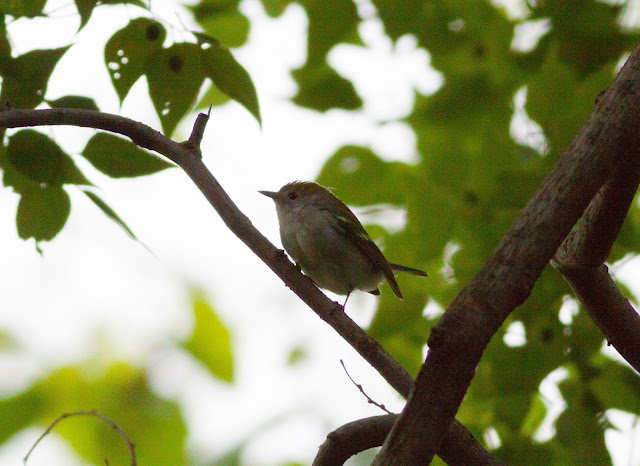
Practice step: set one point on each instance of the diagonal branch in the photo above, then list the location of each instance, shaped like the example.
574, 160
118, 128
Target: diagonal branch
187, 156
457, 343
581, 258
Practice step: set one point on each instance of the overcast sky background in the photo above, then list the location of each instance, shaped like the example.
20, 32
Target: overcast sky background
96, 292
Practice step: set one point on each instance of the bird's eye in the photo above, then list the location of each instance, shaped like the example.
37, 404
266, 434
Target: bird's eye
293, 195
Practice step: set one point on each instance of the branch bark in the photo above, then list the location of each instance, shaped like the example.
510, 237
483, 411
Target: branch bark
581, 258
458, 341
187, 156
358, 436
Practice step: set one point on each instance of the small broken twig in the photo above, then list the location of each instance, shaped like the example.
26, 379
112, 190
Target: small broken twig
95, 414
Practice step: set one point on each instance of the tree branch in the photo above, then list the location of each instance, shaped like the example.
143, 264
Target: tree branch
581, 258
358, 436
188, 158
141, 134
353, 438
458, 341
97, 415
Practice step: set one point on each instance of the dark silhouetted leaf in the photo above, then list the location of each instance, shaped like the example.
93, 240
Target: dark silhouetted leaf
321, 88
223, 21
109, 212
42, 212
85, 8
119, 157
230, 77
19, 8
35, 156
74, 101
275, 8
175, 76
7, 64
26, 84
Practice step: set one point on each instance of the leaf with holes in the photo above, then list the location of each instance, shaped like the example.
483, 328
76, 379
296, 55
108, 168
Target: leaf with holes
175, 76
129, 50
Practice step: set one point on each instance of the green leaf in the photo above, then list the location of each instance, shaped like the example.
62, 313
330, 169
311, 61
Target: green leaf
400, 17
128, 51
85, 8
42, 212
349, 172
617, 386
26, 85
140, 3
230, 77
297, 355
330, 22
39, 159
536, 415
118, 157
175, 76
223, 20
407, 352
213, 96
109, 212
579, 427
519, 450
74, 101
6, 61
19, 8
322, 88
275, 8
587, 34
210, 341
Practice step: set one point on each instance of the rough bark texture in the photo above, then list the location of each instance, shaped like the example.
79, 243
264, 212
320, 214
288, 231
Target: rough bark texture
608, 139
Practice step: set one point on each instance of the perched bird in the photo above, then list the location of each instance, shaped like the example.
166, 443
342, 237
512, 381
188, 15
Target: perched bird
329, 243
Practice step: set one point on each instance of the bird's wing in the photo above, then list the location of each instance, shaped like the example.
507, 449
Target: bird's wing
349, 225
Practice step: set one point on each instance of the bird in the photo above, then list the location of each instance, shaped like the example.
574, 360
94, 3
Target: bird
328, 242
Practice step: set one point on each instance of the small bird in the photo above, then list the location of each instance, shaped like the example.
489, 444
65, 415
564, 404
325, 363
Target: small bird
329, 243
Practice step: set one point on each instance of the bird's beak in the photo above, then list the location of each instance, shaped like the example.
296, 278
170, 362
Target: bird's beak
271, 194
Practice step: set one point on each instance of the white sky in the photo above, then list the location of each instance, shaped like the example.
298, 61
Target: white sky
96, 292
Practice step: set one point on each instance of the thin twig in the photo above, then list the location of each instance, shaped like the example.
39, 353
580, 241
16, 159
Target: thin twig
95, 414
359, 387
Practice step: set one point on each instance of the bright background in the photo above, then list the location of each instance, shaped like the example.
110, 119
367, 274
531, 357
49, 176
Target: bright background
95, 293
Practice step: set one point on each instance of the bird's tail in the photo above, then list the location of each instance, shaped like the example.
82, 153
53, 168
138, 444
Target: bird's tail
403, 268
